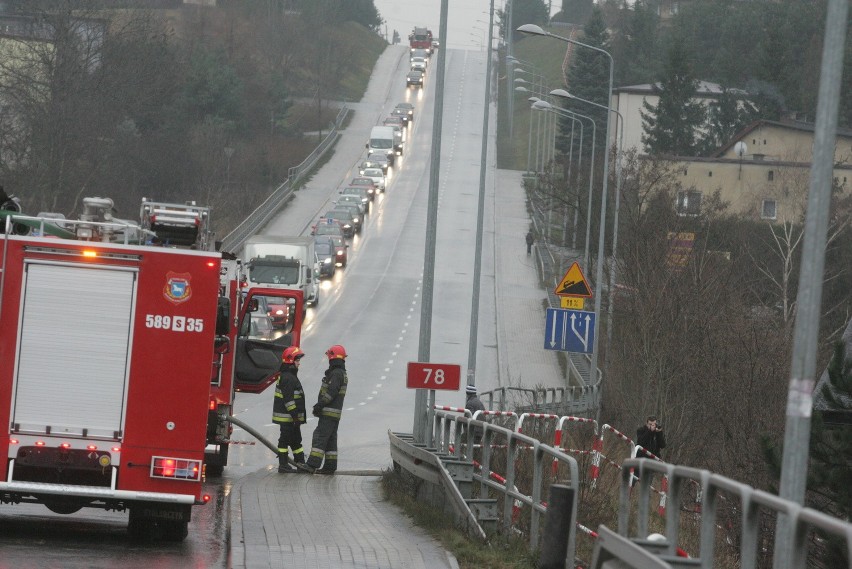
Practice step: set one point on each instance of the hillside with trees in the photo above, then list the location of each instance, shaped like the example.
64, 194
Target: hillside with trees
173, 103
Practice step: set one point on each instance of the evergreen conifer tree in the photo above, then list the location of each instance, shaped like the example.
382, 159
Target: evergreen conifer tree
588, 78
830, 470
671, 126
724, 119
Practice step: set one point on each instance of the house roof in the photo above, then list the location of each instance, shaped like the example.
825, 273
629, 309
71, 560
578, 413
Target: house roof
705, 89
790, 125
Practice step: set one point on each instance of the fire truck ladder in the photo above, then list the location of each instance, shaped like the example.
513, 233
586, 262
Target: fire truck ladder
178, 225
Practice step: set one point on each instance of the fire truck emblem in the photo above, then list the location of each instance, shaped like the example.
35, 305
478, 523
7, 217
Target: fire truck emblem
177, 287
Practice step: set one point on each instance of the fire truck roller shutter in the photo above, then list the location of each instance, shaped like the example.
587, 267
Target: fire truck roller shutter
73, 348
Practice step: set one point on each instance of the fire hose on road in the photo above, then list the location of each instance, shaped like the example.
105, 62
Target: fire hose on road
253, 432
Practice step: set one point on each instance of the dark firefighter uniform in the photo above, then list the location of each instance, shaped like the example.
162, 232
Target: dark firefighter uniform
288, 411
329, 407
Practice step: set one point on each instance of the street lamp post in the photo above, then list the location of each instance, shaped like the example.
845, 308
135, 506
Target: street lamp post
541, 105
480, 212
560, 111
536, 30
618, 178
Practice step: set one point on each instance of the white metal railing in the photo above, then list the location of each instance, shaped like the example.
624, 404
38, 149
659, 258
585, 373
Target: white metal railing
445, 427
752, 502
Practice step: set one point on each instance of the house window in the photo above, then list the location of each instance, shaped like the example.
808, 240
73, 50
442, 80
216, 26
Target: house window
768, 209
688, 203
770, 175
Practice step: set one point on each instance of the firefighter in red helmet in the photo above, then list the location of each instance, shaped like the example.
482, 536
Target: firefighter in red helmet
329, 407
288, 410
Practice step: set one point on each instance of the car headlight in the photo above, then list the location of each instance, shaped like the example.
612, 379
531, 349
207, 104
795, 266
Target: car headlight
340, 253
327, 261
355, 220
279, 312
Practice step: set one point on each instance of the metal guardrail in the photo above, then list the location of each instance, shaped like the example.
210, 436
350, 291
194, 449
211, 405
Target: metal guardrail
445, 427
792, 546
234, 240
563, 400
427, 466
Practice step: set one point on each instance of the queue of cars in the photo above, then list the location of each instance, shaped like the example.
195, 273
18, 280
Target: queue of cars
346, 218
418, 62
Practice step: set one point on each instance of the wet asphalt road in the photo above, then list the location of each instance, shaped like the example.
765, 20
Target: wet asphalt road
31, 536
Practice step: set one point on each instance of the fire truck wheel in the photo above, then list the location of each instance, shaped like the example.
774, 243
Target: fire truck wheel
63, 506
174, 531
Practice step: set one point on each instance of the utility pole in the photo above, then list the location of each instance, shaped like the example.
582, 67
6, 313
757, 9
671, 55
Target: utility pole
421, 408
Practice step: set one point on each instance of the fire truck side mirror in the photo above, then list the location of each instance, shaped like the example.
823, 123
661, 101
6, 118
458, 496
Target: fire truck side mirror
222, 345
253, 305
223, 316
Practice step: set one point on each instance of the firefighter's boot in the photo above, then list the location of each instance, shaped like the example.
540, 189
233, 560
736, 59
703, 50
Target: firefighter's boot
330, 464
284, 466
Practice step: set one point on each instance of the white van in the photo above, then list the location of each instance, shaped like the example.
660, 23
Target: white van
382, 140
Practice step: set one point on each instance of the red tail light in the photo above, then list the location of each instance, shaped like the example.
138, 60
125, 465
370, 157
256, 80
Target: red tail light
175, 468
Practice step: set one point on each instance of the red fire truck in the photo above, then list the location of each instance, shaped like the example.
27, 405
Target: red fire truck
105, 358
420, 38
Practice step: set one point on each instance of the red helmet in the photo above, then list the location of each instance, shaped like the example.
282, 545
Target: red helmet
336, 351
292, 354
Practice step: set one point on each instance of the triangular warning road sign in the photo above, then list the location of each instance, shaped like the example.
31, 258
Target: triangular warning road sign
574, 284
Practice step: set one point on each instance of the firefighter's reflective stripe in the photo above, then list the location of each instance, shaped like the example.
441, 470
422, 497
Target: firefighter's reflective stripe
332, 413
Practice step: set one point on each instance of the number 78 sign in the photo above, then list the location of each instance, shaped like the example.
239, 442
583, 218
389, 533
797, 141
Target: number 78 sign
428, 375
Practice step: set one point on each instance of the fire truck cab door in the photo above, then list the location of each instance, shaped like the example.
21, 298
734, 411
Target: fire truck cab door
258, 358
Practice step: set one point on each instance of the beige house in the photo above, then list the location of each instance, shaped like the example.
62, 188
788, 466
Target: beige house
629, 102
764, 171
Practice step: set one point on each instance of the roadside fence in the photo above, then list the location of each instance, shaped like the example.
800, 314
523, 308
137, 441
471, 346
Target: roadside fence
519, 489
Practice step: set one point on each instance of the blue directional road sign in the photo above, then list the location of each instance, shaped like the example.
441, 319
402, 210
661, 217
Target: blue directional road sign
569, 330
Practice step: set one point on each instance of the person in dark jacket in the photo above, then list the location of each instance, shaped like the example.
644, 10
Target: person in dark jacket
530, 241
288, 409
329, 407
651, 438
473, 404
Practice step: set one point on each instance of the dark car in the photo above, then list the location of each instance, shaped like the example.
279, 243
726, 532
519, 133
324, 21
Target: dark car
375, 160
338, 244
328, 227
414, 79
365, 182
402, 114
408, 108
341, 216
352, 199
355, 210
360, 191
325, 258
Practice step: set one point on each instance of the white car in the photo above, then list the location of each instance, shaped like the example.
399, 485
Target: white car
418, 64
377, 176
